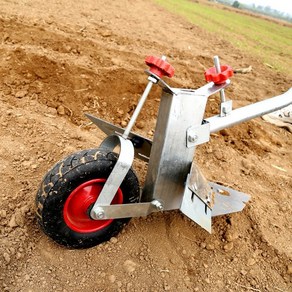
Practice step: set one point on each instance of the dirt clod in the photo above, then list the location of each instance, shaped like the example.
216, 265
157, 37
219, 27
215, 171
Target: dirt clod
251, 261
130, 266
21, 93
61, 110
228, 246
6, 257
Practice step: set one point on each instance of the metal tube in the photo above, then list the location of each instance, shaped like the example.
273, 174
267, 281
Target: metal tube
137, 110
217, 64
249, 112
170, 159
218, 69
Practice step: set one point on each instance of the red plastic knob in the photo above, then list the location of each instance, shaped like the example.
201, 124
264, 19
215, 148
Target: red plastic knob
159, 67
219, 78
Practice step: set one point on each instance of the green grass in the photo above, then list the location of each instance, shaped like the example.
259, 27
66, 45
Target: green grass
269, 41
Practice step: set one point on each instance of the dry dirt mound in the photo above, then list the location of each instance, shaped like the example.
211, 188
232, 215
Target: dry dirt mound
59, 61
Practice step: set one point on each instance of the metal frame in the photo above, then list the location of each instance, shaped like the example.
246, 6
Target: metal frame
173, 180
117, 175
250, 111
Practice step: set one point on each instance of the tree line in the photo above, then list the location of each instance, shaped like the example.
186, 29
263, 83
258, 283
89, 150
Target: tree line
266, 10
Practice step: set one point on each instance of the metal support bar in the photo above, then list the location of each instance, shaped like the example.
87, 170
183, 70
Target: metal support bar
211, 88
250, 111
218, 70
225, 105
197, 135
170, 159
118, 173
143, 145
139, 107
128, 210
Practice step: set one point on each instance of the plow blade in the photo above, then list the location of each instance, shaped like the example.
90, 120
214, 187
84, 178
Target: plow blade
203, 200
227, 200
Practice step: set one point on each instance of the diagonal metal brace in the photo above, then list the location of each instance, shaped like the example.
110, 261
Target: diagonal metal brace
120, 170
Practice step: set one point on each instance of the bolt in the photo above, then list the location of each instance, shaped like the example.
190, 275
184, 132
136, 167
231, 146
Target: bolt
217, 64
157, 204
218, 70
98, 213
193, 139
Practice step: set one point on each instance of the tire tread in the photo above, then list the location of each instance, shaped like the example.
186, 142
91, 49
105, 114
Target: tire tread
81, 162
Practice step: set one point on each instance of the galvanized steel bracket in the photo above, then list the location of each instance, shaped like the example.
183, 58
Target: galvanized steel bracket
225, 108
120, 170
196, 209
129, 210
197, 135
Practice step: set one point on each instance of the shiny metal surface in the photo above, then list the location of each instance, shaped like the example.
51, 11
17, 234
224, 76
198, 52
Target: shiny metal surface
198, 198
227, 200
211, 88
193, 207
249, 112
170, 181
142, 145
129, 210
170, 159
138, 108
161, 83
118, 173
223, 109
199, 186
197, 135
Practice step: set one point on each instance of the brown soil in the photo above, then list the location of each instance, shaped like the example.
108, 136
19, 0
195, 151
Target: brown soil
60, 59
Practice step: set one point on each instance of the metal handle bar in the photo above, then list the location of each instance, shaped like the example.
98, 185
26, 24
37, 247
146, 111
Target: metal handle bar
249, 112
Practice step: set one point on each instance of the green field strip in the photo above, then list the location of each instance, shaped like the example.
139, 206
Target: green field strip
270, 41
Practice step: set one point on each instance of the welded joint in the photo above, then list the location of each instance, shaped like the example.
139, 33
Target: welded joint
158, 205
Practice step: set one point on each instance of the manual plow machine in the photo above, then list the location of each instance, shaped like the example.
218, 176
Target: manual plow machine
88, 197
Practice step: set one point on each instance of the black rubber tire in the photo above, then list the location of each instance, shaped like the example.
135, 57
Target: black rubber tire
62, 179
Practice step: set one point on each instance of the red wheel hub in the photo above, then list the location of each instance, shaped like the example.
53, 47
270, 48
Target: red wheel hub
77, 207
